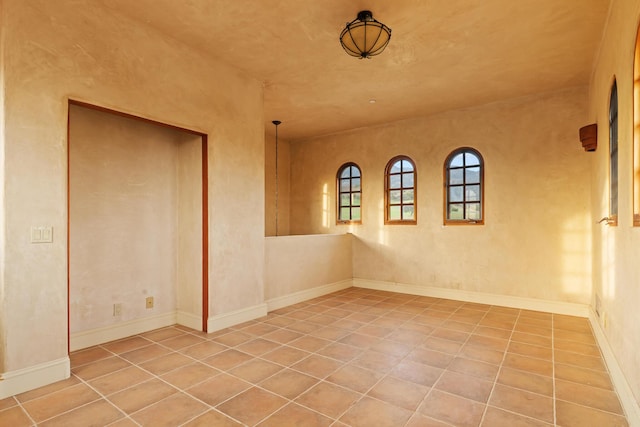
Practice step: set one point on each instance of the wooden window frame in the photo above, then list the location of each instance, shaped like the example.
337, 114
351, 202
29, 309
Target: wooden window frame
446, 185
636, 132
339, 193
614, 184
387, 190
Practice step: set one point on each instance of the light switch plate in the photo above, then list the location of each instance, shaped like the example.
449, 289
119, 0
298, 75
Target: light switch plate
42, 234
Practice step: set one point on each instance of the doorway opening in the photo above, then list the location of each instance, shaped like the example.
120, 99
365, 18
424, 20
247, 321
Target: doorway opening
137, 232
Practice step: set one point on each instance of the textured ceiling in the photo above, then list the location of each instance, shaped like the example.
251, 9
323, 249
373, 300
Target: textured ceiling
442, 54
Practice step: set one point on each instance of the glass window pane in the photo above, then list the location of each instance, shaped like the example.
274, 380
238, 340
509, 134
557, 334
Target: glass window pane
355, 199
344, 185
473, 211
407, 196
355, 214
395, 168
455, 176
456, 211
407, 166
456, 161
472, 193
407, 212
394, 213
345, 173
355, 184
473, 175
464, 186
344, 199
613, 150
407, 180
344, 214
471, 159
355, 172
455, 194
394, 181
394, 197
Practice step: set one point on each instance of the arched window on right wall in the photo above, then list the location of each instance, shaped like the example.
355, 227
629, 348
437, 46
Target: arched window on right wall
636, 133
464, 187
613, 155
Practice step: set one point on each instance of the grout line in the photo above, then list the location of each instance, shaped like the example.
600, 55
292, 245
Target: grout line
153, 376
24, 410
383, 308
500, 366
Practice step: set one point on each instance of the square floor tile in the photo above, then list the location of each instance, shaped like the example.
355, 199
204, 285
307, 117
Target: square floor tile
399, 393
142, 395
294, 415
355, 378
252, 405
58, 402
523, 402
218, 389
172, 411
371, 412
452, 409
289, 383
468, 386
328, 399
572, 415
98, 413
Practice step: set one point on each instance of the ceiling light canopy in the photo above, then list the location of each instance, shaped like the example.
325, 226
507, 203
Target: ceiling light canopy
365, 37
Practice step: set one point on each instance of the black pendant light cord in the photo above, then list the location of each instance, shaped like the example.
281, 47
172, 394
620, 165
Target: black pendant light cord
276, 123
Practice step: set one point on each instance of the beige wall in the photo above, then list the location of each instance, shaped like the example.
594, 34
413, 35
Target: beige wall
282, 187
134, 219
300, 263
536, 238
189, 225
2, 203
56, 50
616, 271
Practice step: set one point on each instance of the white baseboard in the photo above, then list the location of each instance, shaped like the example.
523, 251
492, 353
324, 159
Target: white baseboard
307, 294
232, 318
21, 380
627, 399
557, 307
84, 339
189, 320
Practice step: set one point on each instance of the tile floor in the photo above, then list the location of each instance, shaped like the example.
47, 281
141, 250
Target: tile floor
352, 358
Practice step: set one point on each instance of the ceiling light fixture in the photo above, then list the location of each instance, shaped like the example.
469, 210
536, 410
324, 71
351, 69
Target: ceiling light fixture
365, 37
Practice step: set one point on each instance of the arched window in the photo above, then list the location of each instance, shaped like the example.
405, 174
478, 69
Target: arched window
613, 155
636, 133
400, 181
349, 182
463, 187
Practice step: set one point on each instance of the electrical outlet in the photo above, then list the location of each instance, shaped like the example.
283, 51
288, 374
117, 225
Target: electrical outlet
42, 234
117, 309
149, 302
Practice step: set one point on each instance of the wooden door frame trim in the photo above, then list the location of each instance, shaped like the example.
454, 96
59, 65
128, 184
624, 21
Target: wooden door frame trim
205, 201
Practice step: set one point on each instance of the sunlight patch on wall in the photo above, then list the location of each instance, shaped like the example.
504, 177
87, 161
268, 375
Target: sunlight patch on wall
608, 263
382, 231
576, 256
325, 205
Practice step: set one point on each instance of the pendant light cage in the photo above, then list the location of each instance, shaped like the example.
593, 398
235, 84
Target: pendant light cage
365, 37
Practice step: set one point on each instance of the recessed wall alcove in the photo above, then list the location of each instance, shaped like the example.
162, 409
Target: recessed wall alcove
137, 196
